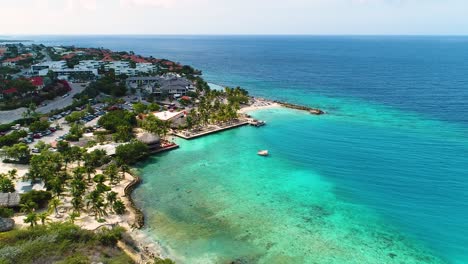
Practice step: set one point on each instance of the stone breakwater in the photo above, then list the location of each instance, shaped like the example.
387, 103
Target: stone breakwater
314, 111
139, 216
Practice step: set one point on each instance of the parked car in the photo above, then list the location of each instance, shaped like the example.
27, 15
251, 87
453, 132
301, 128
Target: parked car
37, 135
35, 150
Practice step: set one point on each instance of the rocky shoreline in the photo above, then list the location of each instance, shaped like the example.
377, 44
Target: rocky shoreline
139, 216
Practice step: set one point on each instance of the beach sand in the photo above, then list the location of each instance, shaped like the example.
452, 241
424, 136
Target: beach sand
259, 104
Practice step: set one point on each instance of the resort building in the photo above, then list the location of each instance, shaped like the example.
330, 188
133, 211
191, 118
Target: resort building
89, 65
48, 65
162, 85
119, 67
168, 115
72, 74
110, 148
151, 140
124, 67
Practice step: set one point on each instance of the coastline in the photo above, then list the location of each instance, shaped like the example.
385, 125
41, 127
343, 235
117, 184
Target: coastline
147, 246
259, 104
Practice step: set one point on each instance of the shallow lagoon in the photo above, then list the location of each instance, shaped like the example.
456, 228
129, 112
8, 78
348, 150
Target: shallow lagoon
328, 193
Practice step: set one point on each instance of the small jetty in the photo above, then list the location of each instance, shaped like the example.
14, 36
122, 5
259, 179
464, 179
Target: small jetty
257, 123
200, 132
314, 111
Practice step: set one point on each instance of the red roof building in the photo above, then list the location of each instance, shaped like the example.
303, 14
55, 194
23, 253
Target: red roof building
19, 58
10, 91
37, 81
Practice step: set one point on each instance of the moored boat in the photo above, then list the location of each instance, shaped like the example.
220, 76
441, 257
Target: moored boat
263, 153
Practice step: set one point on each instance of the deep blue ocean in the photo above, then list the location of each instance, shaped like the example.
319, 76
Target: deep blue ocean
393, 144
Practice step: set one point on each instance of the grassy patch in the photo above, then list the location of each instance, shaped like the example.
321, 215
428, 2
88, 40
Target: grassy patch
60, 243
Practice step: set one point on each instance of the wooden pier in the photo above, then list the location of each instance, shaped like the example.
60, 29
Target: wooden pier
211, 130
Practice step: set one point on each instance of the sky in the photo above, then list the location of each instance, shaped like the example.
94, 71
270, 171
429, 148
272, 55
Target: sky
316, 17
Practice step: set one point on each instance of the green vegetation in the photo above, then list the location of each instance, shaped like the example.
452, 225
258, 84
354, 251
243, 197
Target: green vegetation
118, 118
39, 126
154, 125
8, 70
12, 138
75, 133
35, 199
131, 153
109, 84
75, 116
211, 109
6, 184
61, 243
18, 153
6, 212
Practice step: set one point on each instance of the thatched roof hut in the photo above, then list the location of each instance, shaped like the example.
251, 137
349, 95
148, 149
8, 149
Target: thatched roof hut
6, 224
148, 138
9, 199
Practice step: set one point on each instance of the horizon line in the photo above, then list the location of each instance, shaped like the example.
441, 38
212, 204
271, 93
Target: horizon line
240, 34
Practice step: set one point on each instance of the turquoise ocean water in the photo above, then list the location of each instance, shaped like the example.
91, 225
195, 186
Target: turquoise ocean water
382, 178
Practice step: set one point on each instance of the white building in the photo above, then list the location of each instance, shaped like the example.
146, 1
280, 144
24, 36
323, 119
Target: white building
123, 67
89, 65
119, 67
48, 65
168, 115
71, 74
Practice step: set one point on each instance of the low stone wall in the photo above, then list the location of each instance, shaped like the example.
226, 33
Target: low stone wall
139, 216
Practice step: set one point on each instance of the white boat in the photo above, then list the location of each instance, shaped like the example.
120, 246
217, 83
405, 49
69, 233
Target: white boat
263, 153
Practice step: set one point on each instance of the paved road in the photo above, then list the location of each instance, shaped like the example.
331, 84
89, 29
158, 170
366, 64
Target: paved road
58, 103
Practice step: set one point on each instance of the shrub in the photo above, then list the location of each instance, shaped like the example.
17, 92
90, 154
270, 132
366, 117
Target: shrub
41, 198
6, 212
132, 152
118, 118
109, 237
39, 126
119, 207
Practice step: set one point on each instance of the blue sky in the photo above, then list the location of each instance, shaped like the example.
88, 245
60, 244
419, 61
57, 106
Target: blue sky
407, 17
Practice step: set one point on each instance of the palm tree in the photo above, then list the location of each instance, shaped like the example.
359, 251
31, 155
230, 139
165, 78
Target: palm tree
89, 170
119, 207
99, 178
77, 204
13, 173
44, 217
112, 172
111, 197
96, 203
73, 217
125, 169
28, 207
31, 218
78, 172
54, 204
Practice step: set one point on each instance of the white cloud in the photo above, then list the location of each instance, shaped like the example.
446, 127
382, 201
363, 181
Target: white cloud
85, 4
147, 3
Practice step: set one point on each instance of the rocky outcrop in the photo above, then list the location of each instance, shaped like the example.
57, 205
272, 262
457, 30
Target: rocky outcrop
314, 111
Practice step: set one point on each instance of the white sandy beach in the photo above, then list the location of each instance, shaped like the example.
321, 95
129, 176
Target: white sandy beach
259, 104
